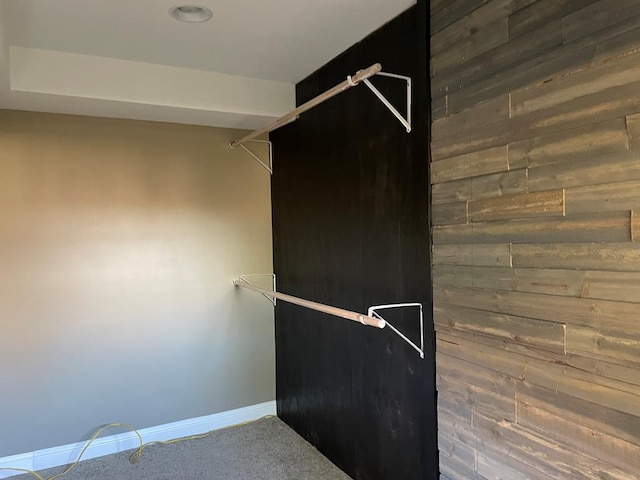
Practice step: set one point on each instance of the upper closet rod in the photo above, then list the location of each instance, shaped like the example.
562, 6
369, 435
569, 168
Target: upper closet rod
320, 307
293, 115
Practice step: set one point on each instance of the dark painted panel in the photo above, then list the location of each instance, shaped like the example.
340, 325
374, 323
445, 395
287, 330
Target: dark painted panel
351, 229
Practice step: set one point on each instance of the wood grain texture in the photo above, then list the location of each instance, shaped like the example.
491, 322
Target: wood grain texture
584, 439
582, 172
493, 254
590, 141
470, 165
370, 181
477, 43
479, 116
598, 76
537, 283
620, 317
449, 213
619, 257
603, 197
600, 45
527, 205
480, 18
596, 16
600, 370
506, 55
520, 330
602, 227
541, 13
612, 422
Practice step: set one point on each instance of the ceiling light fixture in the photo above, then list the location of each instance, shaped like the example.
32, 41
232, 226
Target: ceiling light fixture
191, 13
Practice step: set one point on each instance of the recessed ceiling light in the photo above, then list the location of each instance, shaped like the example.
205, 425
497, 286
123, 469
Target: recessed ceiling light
191, 13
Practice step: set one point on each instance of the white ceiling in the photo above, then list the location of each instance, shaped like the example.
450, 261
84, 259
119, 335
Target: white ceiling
282, 41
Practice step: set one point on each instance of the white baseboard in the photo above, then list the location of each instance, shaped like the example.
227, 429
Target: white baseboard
66, 454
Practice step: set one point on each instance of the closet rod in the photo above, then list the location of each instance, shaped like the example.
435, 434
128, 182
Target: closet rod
351, 81
320, 307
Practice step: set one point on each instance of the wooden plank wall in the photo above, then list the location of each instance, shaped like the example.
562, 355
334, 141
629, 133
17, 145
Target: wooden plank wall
535, 179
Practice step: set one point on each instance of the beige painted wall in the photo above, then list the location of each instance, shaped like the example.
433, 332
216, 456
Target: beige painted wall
118, 244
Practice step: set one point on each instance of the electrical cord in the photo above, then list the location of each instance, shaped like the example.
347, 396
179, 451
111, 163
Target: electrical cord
135, 456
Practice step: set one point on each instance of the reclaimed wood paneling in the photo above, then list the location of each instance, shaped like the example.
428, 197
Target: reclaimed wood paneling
502, 57
479, 116
525, 205
596, 16
485, 186
590, 141
582, 172
450, 213
478, 43
620, 257
542, 12
613, 422
491, 255
540, 67
604, 197
480, 18
473, 164
526, 331
601, 227
535, 180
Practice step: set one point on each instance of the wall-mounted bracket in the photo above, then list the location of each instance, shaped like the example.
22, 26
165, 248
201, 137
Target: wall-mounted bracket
373, 313
243, 278
267, 166
405, 121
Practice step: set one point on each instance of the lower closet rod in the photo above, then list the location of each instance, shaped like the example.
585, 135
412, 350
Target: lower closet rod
320, 307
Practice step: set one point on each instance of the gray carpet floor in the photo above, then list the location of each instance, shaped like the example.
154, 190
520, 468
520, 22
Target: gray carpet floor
263, 450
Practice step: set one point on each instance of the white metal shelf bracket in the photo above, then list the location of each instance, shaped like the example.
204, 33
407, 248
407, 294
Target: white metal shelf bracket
243, 279
267, 166
373, 313
406, 122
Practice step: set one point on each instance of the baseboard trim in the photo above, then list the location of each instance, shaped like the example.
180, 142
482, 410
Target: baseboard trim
66, 454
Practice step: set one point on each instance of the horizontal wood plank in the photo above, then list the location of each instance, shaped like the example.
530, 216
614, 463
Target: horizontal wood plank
459, 276
488, 255
613, 422
601, 371
483, 17
594, 17
473, 164
476, 188
602, 227
604, 315
601, 76
451, 11
555, 63
478, 117
616, 286
526, 205
591, 141
558, 375
449, 213
584, 439
468, 48
599, 343
539, 453
526, 331
541, 13
618, 257
612, 168
547, 37
604, 197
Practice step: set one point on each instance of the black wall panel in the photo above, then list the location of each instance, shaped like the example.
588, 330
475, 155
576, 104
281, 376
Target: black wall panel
351, 229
